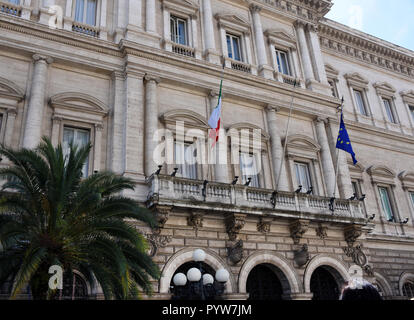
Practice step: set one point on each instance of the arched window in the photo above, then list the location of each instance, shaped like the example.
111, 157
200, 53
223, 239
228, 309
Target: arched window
74, 288
324, 284
408, 289
264, 284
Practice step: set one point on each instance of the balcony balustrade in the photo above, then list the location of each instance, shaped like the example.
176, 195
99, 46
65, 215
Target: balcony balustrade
187, 193
11, 9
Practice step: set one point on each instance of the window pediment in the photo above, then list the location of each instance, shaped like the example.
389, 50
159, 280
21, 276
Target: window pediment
357, 170
356, 80
408, 96
407, 179
281, 37
331, 72
188, 7
233, 22
382, 174
302, 146
78, 107
384, 89
191, 119
10, 92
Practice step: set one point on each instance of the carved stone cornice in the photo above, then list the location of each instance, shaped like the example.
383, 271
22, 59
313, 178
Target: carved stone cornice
234, 223
363, 47
298, 229
352, 233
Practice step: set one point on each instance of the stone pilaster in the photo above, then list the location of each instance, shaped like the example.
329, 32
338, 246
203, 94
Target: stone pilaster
97, 147
11, 119
327, 163
33, 126
151, 123
316, 54
103, 30
277, 150
150, 21
209, 42
304, 51
264, 69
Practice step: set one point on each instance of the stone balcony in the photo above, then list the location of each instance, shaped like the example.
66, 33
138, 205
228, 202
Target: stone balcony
167, 191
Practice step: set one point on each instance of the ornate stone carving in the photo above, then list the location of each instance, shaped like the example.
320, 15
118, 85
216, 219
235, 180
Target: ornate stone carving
357, 255
234, 223
321, 231
352, 233
368, 270
195, 220
298, 229
161, 216
156, 241
235, 252
264, 224
302, 256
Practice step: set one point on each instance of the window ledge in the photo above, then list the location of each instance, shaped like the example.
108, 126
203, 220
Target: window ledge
85, 29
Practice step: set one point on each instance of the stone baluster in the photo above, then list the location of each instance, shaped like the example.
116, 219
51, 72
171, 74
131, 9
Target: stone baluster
33, 126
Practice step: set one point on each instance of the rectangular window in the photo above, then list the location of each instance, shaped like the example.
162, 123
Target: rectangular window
79, 138
303, 176
178, 30
85, 11
360, 102
249, 169
185, 157
356, 188
386, 203
233, 47
388, 110
283, 62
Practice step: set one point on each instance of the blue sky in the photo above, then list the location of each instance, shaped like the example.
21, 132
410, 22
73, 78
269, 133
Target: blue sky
391, 20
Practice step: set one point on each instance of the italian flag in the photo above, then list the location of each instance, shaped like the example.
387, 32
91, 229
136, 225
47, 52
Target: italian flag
215, 118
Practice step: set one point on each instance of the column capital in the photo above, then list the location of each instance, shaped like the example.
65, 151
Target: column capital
299, 24
11, 112
272, 108
311, 27
320, 119
213, 93
99, 127
255, 8
37, 57
57, 119
149, 77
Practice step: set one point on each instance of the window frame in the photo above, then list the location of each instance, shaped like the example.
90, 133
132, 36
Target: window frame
256, 156
85, 11
239, 40
175, 18
308, 174
182, 166
389, 110
357, 102
390, 199
81, 127
288, 61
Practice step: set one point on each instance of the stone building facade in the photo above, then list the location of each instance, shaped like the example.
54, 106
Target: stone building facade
116, 71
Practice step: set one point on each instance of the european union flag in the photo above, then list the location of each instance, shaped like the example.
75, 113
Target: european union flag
343, 142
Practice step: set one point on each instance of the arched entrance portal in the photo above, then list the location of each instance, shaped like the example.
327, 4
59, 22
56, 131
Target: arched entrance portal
326, 284
263, 283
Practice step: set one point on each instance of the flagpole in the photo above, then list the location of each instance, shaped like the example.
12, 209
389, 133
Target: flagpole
287, 135
221, 87
340, 110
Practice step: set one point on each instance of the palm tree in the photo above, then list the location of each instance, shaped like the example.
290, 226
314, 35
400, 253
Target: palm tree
50, 215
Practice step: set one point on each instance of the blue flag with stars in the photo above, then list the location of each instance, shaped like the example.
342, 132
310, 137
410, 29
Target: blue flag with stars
343, 142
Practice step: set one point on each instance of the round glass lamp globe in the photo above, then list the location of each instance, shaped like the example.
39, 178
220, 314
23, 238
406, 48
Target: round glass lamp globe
199, 255
208, 279
180, 280
222, 275
194, 275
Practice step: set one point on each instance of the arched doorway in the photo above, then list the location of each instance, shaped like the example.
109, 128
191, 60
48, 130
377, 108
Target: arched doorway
325, 284
264, 283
